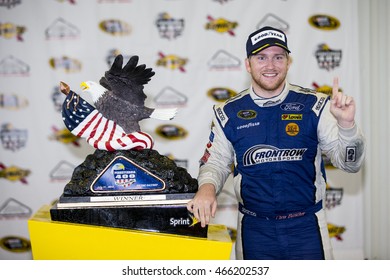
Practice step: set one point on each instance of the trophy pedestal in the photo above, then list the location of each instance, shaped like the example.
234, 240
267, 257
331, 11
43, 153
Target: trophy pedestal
54, 240
157, 213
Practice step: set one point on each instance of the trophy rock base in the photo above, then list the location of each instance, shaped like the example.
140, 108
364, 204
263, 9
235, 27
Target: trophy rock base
164, 218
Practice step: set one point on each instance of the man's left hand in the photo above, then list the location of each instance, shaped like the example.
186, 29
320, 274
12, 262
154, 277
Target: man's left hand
342, 106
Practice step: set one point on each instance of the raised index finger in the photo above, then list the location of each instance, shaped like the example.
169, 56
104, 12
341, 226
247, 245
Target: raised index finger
335, 88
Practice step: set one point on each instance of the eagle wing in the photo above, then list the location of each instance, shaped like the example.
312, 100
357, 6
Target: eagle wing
127, 82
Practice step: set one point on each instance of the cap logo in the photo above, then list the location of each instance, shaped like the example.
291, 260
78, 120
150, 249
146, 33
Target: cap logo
267, 34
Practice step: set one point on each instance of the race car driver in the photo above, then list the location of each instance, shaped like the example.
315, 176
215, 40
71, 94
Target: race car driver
275, 134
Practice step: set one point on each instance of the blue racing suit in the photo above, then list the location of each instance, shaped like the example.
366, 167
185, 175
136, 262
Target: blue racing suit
276, 147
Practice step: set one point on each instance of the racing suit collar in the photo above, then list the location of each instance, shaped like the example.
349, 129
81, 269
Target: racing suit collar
267, 102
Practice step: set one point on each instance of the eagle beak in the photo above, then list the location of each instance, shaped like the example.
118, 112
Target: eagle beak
84, 86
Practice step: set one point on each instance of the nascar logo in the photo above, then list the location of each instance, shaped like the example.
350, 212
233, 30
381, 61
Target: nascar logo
264, 153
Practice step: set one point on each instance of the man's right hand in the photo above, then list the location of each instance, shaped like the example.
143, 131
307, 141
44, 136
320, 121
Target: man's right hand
204, 204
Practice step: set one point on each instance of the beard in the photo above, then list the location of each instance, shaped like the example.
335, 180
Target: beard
270, 84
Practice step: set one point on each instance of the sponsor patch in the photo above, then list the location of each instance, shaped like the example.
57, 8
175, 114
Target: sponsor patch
292, 129
350, 155
265, 153
294, 107
205, 157
220, 114
289, 117
247, 114
248, 125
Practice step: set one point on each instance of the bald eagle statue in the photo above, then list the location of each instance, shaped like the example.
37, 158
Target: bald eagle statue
113, 124
120, 97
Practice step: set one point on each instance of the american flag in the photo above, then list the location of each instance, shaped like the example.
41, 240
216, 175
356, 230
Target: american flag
83, 120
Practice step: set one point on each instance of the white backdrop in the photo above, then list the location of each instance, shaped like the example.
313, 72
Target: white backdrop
194, 47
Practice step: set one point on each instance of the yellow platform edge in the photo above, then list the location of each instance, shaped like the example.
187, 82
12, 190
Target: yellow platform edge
52, 240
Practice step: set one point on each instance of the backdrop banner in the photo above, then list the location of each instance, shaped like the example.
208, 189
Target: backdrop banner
197, 49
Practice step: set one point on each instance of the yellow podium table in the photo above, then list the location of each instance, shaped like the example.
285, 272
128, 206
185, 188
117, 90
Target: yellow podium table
52, 240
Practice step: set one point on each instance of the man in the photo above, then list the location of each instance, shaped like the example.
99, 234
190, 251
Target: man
275, 134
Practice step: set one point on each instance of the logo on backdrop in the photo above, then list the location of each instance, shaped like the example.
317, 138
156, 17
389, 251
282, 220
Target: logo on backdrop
64, 136
168, 96
274, 21
179, 162
62, 171
11, 66
222, 60
69, 65
333, 197
13, 173
172, 62
222, 1
58, 98
336, 231
10, 3
9, 30
12, 208
114, 53
115, 27
323, 89
171, 132
11, 138
12, 101
221, 25
324, 22
62, 29
168, 27
327, 58
15, 244
221, 94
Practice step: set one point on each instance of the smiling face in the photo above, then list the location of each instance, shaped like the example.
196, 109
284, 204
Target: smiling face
268, 69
